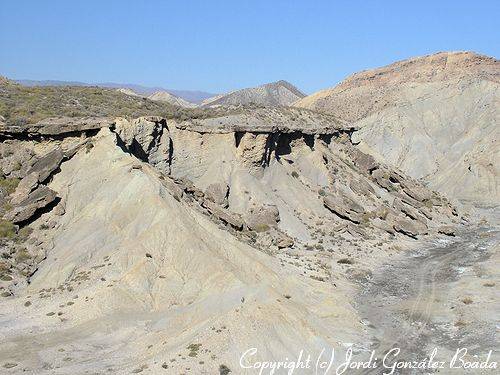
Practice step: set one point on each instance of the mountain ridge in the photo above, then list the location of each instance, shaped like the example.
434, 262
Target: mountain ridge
193, 96
272, 94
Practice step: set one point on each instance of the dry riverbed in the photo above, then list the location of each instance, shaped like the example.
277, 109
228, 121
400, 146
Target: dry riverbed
441, 298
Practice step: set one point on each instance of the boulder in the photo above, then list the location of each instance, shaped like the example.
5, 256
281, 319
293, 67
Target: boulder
39, 198
408, 227
382, 179
447, 230
283, 240
365, 162
344, 207
217, 193
15, 158
47, 164
415, 191
25, 187
140, 136
267, 215
175, 190
224, 214
409, 211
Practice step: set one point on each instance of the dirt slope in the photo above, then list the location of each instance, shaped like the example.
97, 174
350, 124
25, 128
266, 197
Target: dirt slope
435, 117
280, 93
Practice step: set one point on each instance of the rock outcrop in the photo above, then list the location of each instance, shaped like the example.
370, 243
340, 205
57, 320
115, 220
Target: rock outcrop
57, 126
27, 207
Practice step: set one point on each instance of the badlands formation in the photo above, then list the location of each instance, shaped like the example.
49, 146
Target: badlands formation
434, 117
174, 244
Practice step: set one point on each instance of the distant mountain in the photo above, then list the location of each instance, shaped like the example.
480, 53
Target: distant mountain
189, 95
129, 92
280, 93
164, 96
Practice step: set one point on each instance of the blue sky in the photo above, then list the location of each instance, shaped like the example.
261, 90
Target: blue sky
218, 46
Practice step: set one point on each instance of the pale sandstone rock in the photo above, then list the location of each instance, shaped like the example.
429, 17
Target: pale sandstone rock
26, 208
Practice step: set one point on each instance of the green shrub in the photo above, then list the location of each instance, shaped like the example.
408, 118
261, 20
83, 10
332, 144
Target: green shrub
261, 228
295, 174
7, 229
193, 349
345, 261
9, 185
22, 256
21, 105
23, 234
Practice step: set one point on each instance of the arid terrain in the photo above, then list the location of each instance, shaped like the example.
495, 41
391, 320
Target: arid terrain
143, 235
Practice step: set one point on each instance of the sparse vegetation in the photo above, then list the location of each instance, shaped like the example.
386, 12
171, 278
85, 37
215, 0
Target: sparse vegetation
193, 349
8, 185
261, 228
23, 234
224, 370
7, 229
295, 174
21, 105
345, 261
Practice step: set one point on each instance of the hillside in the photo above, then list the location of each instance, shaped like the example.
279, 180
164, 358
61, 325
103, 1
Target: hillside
192, 96
165, 97
157, 239
435, 117
280, 93
22, 105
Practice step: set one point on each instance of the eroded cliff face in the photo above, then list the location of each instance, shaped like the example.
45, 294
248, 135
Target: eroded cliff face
147, 237
252, 170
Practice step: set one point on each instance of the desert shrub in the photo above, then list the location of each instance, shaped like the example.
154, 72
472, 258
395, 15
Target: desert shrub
7, 229
9, 185
261, 228
345, 261
23, 234
193, 349
224, 370
21, 105
22, 256
295, 174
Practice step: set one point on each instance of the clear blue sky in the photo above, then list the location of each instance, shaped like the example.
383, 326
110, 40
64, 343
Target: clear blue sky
218, 46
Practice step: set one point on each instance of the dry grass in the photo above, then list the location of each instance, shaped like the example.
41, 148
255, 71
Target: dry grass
8, 185
21, 105
7, 229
